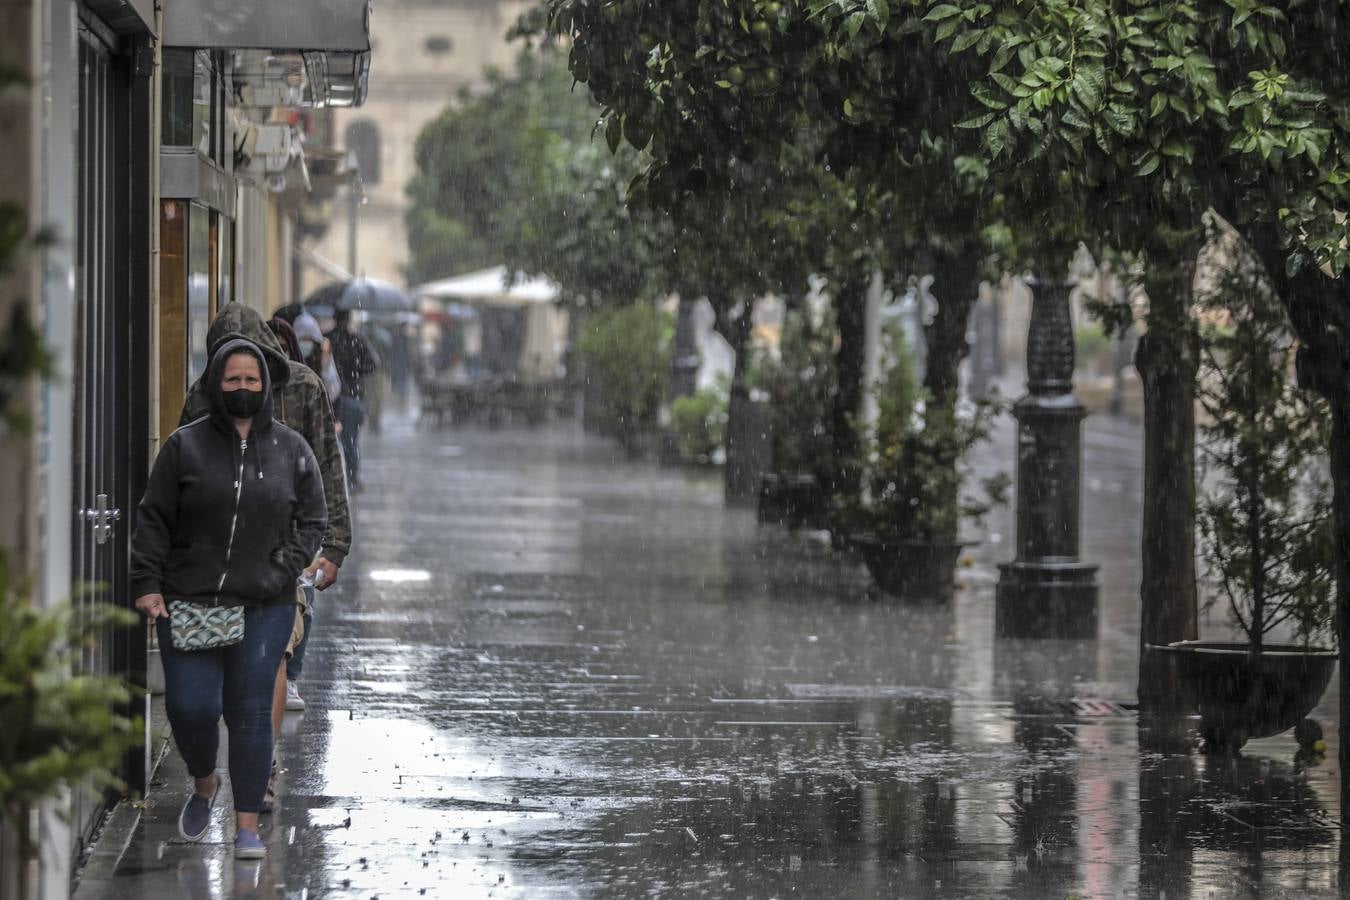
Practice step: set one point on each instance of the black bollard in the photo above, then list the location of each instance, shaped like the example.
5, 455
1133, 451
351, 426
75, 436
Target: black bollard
1047, 591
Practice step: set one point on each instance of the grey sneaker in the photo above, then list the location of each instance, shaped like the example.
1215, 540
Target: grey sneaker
247, 845
195, 816
294, 701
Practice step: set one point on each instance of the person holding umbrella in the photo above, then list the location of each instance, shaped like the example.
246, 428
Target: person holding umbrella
355, 359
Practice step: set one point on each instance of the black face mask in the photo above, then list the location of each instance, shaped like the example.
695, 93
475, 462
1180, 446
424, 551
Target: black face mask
243, 403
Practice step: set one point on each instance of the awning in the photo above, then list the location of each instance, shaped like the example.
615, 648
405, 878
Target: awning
330, 38
490, 286
268, 25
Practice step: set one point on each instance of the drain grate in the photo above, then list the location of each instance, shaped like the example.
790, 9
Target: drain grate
1073, 708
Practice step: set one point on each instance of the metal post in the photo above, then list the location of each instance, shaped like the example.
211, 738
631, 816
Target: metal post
353, 207
1047, 591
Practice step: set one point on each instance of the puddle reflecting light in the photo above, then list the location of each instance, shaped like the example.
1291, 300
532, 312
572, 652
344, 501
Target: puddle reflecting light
400, 576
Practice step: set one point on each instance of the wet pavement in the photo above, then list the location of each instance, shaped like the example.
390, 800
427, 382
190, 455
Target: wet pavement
552, 672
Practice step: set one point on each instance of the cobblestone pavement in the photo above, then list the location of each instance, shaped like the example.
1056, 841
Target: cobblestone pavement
552, 672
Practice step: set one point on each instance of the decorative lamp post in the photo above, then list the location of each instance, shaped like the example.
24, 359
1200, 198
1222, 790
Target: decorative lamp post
1047, 591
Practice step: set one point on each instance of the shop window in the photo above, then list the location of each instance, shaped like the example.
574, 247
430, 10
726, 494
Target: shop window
363, 139
176, 93
193, 102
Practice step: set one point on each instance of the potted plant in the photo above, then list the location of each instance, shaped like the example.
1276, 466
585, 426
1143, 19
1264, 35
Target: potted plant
699, 422
58, 729
908, 526
800, 384
1264, 522
626, 355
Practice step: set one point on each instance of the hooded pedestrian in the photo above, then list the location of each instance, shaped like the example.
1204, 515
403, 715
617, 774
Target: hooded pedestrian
301, 404
356, 359
232, 515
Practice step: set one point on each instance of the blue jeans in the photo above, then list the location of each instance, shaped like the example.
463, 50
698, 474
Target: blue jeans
235, 681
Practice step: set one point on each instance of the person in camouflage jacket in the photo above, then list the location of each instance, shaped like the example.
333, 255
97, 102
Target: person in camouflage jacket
301, 404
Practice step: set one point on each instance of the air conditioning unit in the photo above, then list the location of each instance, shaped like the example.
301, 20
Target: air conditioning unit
267, 148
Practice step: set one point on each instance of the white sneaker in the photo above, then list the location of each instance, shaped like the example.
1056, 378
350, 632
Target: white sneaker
294, 701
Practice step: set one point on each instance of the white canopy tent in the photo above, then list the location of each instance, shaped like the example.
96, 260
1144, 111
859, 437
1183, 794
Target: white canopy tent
489, 286
545, 323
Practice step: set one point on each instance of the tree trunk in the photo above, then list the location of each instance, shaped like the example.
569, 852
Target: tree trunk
739, 482
1167, 362
956, 285
844, 478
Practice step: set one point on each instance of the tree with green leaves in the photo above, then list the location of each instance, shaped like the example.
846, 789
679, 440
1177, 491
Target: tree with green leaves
1265, 517
704, 86
1157, 113
512, 175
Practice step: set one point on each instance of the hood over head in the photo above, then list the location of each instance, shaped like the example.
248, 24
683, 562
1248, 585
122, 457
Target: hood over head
235, 321
215, 371
306, 326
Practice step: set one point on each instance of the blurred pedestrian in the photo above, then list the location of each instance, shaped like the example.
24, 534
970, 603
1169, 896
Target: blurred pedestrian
232, 515
318, 354
356, 359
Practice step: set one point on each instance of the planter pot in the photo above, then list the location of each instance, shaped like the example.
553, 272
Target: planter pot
913, 570
1239, 698
793, 501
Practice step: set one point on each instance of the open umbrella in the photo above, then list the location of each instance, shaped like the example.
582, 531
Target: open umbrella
377, 298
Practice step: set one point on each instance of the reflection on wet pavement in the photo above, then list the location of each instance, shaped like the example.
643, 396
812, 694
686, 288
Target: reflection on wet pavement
549, 672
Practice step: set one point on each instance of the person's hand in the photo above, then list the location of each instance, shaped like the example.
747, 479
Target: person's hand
330, 572
153, 605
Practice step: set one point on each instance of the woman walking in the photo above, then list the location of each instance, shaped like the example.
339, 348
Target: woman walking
233, 513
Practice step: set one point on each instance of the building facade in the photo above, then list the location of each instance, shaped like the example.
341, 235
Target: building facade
161, 154
427, 51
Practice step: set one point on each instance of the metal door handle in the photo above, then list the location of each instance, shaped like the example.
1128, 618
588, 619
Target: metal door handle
102, 516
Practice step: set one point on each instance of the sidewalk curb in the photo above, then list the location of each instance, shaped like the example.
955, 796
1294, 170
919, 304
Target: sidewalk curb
95, 876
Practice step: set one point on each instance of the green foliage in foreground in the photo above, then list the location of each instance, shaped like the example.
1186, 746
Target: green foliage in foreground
626, 351
58, 729
1265, 519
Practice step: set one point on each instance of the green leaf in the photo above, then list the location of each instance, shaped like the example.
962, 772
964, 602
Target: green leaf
967, 40
854, 23
1120, 119
977, 121
613, 132
1001, 57
941, 12
1087, 89
996, 138
1149, 165
881, 11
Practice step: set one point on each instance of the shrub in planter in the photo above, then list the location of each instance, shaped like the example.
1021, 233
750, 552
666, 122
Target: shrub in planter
1264, 520
909, 522
626, 353
801, 385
